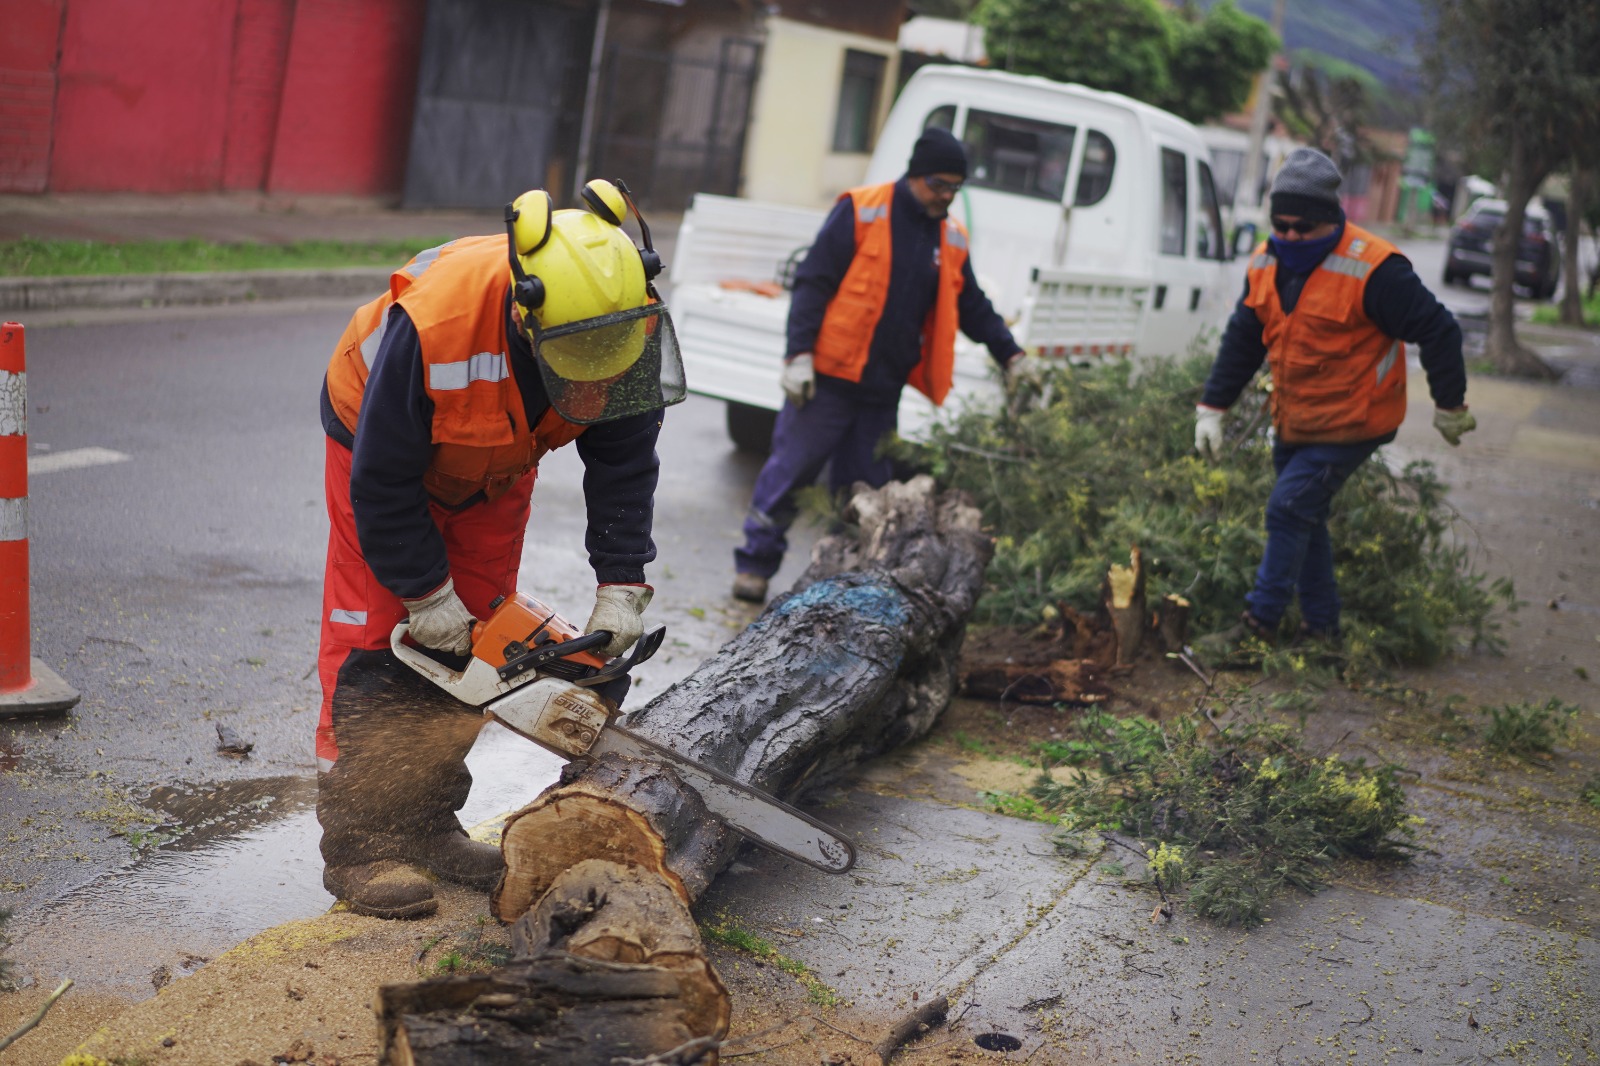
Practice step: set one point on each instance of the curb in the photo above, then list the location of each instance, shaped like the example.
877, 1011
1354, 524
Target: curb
156, 290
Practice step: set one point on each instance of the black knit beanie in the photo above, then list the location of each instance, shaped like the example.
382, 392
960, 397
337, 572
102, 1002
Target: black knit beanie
937, 152
1307, 187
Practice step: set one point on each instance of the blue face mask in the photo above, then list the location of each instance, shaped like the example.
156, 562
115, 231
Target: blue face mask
1297, 257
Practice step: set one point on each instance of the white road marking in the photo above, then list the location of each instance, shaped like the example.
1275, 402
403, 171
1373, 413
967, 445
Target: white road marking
73, 460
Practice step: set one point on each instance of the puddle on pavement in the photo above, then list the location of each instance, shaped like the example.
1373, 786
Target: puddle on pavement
10, 755
242, 859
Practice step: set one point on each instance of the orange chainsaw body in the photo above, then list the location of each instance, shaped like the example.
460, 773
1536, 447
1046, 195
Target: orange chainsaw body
520, 622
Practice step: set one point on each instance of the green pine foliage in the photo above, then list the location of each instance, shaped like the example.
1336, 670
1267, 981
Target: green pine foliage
1237, 814
1098, 460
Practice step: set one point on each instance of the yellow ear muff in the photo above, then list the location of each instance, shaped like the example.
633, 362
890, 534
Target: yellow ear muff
531, 227
604, 199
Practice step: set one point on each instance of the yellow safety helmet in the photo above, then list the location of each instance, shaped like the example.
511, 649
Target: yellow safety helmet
602, 339
573, 265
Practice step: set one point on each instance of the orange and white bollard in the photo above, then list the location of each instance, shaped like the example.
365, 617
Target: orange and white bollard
27, 686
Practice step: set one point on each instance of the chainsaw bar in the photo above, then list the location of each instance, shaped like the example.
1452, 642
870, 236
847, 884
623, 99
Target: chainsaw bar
763, 819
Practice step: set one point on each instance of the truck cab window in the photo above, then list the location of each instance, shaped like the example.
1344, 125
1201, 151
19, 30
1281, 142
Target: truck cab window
1094, 179
941, 118
1209, 241
1017, 155
1174, 202
859, 90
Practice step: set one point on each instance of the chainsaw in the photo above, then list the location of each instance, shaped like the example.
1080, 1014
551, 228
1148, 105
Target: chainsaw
538, 675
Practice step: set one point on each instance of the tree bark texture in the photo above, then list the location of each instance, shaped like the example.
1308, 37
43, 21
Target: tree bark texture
1523, 176
1124, 603
1578, 192
858, 658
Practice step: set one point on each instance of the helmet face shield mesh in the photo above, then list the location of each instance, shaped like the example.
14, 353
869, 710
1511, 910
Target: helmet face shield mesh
612, 366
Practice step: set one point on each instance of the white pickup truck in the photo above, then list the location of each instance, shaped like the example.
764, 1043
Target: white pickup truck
1094, 230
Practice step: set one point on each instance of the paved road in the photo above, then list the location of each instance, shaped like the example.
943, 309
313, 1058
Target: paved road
177, 534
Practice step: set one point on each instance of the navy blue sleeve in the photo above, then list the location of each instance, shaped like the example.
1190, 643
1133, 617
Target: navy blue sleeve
620, 470
1239, 356
393, 446
980, 321
1400, 305
819, 274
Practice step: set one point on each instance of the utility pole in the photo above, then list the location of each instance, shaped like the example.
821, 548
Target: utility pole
591, 104
1247, 194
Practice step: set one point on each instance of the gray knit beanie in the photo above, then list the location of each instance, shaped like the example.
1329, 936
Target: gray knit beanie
1307, 187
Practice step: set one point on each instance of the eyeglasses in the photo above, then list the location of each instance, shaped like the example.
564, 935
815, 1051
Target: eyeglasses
942, 187
1301, 226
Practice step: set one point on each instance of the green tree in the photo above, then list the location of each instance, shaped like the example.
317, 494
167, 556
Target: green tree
1199, 66
1118, 45
1215, 60
1519, 81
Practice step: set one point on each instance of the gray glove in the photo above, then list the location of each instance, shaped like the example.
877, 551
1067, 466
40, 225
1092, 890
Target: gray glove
799, 379
1452, 424
1208, 432
440, 620
617, 610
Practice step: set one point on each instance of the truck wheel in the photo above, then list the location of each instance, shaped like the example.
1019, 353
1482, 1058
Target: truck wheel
750, 428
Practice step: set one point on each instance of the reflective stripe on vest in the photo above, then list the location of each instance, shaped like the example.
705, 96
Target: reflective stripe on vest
1388, 361
423, 260
1343, 264
865, 216
955, 234
374, 340
348, 618
450, 377
1262, 261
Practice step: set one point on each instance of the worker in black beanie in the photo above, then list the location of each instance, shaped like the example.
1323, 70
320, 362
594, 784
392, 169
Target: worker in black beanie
862, 327
1329, 307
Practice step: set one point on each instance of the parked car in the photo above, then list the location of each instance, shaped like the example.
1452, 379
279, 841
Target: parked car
1471, 248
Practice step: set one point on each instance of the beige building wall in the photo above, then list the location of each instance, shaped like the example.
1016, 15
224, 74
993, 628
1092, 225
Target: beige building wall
789, 155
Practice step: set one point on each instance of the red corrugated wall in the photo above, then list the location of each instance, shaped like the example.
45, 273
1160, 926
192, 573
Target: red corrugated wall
164, 96
348, 95
29, 37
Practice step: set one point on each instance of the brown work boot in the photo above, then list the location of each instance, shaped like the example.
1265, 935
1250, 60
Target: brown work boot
750, 587
384, 889
456, 857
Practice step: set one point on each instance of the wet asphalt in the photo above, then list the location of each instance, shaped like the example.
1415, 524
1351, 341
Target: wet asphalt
178, 588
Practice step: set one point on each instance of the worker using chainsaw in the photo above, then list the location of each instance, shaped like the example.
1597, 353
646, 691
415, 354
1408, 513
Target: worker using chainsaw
441, 398
1329, 307
877, 302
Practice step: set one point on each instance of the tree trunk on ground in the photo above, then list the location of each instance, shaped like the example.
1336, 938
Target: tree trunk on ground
857, 659
1572, 288
1501, 345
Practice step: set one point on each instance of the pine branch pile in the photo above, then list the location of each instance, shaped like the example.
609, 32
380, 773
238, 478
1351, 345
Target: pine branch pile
1073, 473
1236, 815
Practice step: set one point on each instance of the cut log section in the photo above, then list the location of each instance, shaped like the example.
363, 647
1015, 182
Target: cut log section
858, 658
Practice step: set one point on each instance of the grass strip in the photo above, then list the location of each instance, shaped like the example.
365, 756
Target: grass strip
40, 258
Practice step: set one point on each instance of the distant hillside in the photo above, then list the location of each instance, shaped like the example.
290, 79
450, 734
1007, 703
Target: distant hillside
1377, 35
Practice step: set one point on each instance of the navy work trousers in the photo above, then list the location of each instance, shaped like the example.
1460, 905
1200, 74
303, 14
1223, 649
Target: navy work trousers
829, 429
1299, 553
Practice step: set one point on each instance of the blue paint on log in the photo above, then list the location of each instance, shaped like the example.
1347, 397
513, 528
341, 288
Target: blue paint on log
871, 603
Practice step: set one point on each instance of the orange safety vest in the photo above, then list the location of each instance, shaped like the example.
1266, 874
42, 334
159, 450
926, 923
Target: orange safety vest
853, 313
455, 296
1336, 377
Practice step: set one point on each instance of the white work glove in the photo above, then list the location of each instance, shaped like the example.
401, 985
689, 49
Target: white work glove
441, 621
1208, 432
1026, 369
618, 609
799, 379
1451, 424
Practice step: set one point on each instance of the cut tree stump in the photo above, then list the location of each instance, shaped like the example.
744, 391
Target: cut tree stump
858, 658
1124, 603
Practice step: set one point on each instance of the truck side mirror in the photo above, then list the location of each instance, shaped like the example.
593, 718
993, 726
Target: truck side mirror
1244, 239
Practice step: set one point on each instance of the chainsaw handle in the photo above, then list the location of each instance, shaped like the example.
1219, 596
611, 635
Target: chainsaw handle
425, 665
